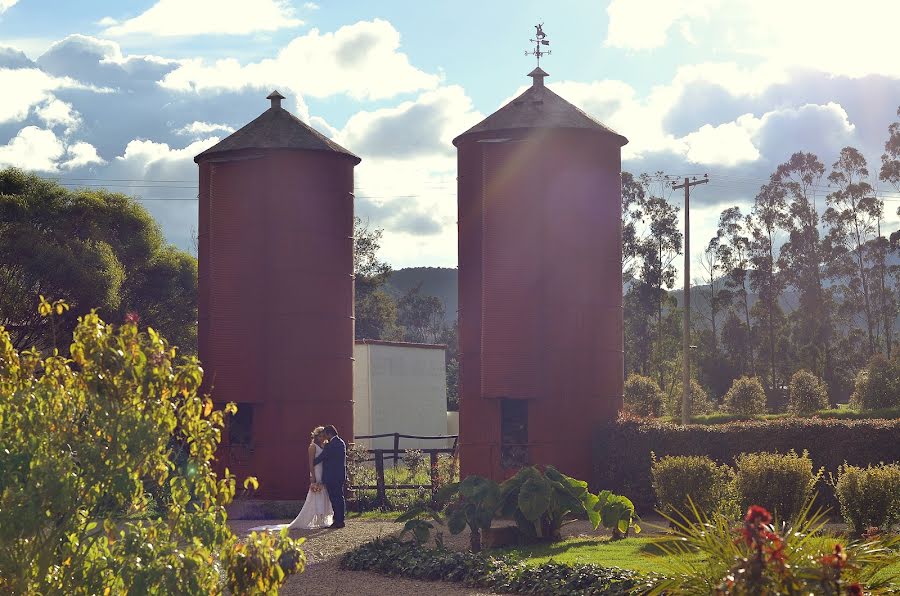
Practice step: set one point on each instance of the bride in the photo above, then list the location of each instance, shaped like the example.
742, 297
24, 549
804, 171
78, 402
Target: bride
316, 512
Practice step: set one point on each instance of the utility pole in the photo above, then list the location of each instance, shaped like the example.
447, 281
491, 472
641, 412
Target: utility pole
686, 339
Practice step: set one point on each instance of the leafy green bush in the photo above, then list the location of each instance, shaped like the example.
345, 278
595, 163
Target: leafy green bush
643, 397
746, 397
759, 557
679, 480
808, 394
390, 556
80, 436
869, 497
701, 403
877, 385
781, 483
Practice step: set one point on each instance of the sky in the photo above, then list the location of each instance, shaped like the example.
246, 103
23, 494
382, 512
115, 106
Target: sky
125, 94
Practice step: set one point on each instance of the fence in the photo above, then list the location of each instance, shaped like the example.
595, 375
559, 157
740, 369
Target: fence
378, 457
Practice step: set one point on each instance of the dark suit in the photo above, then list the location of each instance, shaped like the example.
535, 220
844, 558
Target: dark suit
334, 473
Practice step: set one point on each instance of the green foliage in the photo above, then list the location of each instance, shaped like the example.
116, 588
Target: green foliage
643, 397
505, 575
808, 394
746, 397
94, 249
623, 449
781, 483
869, 497
701, 403
877, 385
541, 502
759, 557
79, 439
470, 504
681, 479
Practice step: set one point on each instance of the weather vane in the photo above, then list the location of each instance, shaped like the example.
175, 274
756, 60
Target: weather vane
539, 40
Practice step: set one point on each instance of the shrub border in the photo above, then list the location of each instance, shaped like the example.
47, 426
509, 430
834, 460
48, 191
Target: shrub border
621, 450
396, 558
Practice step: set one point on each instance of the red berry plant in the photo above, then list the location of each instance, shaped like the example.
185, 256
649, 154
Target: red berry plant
761, 556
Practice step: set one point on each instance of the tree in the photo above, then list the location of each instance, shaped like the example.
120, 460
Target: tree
852, 217
890, 159
734, 248
767, 218
375, 310
421, 316
94, 249
633, 195
803, 260
80, 435
714, 291
658, 250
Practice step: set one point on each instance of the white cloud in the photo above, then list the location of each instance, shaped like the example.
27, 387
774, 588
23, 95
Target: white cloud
198, 128
645, 24
361, 60
420, 128
148, 155
24, 88
198, 17
310, 6
821, 34
107, 22
41, 150
7, 4
728, 144
81, 154
55, 112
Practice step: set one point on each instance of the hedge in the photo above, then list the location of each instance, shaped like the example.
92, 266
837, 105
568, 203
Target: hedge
622, 450
393, 557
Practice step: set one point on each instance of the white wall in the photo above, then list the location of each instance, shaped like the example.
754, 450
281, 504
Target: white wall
400, 388
452, 426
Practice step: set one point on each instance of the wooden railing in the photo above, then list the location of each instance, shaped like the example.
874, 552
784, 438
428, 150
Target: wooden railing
378, 457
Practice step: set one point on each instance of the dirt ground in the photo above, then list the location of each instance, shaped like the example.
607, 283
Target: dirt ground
324, 577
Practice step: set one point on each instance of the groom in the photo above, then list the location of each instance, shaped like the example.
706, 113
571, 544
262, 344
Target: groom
334, 472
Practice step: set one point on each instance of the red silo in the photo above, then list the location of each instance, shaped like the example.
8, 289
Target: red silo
540, 285
276, 293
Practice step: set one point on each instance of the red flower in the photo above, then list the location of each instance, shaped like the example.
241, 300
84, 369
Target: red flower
758, 515
132, 317
837, 559
855, 590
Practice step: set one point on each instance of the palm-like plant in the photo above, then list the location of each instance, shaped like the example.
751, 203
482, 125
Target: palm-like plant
766, 557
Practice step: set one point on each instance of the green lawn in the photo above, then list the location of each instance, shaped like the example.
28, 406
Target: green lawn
835, 413
637, 553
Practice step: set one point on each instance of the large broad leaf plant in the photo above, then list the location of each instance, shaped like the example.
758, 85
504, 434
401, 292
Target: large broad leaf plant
539, 501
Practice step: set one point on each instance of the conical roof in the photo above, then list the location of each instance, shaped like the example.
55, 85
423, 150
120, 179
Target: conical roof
538, 107
276, 128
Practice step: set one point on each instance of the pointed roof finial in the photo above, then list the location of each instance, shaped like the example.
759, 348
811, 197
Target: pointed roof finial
538, 75
540, 39
276, 98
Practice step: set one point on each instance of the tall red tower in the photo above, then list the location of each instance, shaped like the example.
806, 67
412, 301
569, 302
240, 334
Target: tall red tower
540, 285
276, 293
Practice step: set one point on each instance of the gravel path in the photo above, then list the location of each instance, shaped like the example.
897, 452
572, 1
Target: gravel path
324, 577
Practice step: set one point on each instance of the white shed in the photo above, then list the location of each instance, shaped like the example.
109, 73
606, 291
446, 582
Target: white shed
401, 388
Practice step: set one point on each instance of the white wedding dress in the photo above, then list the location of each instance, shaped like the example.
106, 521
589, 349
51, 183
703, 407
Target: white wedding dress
316, 512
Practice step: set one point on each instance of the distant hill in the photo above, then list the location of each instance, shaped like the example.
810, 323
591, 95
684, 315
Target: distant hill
436, 281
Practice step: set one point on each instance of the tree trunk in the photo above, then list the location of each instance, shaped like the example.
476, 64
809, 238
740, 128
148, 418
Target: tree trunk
475, 540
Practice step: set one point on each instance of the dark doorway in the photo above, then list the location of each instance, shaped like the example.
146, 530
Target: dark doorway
513, 433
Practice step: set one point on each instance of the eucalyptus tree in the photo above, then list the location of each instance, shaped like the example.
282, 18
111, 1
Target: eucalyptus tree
852, 218
768, 216
735, 256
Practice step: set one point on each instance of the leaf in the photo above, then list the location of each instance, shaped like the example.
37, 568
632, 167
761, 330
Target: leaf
534, 498
456, 521
251, 481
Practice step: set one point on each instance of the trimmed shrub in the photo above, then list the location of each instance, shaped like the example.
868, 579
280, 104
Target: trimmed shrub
701, 403
746, 397
869, 497
781, 483
392, 557
622, 449
643, 397
808, 394
677, 477
877, 385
